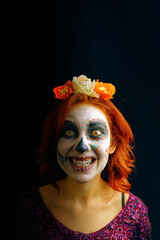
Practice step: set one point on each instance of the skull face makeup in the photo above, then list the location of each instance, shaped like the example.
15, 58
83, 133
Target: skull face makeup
83, 146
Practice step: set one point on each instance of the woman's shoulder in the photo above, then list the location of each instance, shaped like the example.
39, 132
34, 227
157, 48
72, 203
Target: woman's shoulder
34, 196
30, 194
136, 208
28, 199
136, 202
137, 211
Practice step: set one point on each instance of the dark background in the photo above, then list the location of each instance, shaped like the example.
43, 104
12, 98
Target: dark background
114, 41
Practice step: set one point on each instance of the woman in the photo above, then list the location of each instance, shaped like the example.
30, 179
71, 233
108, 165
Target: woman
85, 158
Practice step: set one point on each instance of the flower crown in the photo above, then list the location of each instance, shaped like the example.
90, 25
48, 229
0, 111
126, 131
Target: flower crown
84, 85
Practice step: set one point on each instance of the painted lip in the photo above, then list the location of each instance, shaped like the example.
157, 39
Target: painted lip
79, 157
82, 163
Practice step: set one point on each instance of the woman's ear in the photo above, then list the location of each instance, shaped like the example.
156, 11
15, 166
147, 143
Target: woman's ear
112, 148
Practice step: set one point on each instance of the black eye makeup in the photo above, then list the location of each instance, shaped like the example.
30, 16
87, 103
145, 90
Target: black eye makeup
69, 130
96, 129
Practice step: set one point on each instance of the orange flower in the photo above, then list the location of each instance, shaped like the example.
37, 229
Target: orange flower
63, 92
105, 90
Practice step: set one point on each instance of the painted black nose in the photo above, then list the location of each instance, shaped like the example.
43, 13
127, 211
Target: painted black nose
81, 147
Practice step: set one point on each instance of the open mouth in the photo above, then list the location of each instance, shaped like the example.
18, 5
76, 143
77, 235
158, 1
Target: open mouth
82, 164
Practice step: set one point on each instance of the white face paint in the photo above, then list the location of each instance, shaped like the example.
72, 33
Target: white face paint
83, 147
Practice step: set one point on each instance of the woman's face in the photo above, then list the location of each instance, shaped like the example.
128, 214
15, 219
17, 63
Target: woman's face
83, 146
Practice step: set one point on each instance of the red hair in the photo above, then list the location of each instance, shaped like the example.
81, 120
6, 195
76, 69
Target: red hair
120, 163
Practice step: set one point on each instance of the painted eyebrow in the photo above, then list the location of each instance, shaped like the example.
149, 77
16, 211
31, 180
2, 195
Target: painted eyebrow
98, 125
69, 125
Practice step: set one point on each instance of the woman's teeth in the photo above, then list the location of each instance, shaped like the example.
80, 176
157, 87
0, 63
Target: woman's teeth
84, 163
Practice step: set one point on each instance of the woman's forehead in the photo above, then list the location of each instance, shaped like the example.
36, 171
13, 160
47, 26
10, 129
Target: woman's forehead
85, 112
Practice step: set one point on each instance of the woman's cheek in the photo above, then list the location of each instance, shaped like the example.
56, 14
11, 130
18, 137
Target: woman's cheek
64, 146
102, 150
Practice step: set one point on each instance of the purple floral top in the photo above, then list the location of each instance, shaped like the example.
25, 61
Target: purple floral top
35, 221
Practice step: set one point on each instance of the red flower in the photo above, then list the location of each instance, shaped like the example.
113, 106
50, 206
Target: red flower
63, 92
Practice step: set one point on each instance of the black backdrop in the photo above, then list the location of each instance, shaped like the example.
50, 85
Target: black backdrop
114, 41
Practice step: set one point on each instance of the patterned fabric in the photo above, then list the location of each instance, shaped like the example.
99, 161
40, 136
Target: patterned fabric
35, 221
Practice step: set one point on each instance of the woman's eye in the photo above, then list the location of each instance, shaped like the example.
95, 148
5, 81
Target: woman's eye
96, 133
69, 133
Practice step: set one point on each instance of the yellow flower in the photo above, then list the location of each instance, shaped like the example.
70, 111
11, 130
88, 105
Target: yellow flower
82, 84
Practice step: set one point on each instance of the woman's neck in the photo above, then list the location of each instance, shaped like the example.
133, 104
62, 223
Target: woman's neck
84, 193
